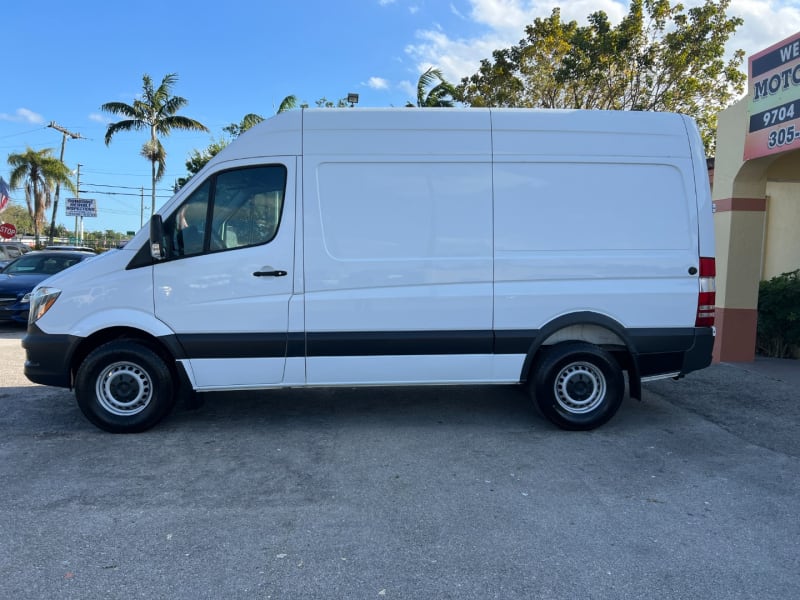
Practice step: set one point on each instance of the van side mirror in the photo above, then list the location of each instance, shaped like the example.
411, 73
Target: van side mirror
157, 237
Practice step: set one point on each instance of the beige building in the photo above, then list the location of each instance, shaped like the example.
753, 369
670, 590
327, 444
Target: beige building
756, 194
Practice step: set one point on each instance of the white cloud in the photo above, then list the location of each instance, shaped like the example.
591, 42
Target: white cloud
766, 22
385, 2
409, 88
455, 58
413, 9
503, 21
98, 118
22, 115
377, 83
511, 16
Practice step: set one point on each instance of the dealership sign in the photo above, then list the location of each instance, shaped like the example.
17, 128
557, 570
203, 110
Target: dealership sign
81, 207
774, 108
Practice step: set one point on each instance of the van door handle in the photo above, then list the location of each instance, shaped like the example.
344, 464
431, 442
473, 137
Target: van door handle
269, 273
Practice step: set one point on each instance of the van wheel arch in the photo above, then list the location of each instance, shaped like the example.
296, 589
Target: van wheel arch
594, 328
167, 349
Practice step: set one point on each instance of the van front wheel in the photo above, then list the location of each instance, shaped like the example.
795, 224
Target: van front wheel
124, 387
577, 385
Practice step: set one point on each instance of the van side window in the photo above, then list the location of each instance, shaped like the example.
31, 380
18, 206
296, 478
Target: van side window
245, 207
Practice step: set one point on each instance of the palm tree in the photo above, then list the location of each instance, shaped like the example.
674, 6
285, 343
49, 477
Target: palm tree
248, 121
38, 172
252, 119
287, 103
154, 111
441, 94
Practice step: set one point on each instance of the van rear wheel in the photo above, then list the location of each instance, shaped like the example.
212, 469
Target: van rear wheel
124, 387
577, 385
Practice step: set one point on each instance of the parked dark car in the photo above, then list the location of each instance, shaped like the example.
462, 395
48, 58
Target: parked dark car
20, 276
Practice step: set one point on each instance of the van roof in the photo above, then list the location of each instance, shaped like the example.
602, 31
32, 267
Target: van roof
367, 131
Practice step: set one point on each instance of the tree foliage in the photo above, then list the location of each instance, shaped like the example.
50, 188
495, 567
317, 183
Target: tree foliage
433, 90
38, 172
156, 111
19, 216
778, 332
660, 57
325, 103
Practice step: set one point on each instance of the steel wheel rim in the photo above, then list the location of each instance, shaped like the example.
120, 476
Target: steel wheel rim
124, 389
580, 387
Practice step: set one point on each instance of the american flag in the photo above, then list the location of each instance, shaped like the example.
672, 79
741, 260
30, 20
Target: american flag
4, 195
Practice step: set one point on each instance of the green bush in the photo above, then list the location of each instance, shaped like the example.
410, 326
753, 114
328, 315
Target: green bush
779, 316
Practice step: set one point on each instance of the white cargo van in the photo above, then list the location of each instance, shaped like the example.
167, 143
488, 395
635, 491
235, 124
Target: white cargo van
347, 247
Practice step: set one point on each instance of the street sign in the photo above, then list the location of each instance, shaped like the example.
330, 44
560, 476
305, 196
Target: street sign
8, 231
81, 207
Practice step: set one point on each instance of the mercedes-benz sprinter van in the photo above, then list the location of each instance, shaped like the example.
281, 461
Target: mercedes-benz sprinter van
556, 249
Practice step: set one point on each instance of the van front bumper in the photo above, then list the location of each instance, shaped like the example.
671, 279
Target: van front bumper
47, 357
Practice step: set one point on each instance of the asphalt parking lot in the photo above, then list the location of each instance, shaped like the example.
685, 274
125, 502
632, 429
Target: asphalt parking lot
406, 493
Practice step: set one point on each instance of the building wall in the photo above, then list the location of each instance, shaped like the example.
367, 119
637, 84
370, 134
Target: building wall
757, 226
782, 237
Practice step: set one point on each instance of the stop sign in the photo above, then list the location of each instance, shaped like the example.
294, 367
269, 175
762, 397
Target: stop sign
8, 231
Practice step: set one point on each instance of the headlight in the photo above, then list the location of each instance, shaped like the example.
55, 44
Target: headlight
42, 299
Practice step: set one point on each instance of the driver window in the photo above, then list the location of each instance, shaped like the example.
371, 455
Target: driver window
245, 207
248, 205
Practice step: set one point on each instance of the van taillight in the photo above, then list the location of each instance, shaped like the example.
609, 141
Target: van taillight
707, 296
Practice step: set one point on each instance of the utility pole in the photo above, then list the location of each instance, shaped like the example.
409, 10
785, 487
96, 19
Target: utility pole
74, 136
78, 195
141, 210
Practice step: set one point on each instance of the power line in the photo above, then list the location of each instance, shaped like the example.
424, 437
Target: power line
57, 127
117, 193
126, 187
2, 137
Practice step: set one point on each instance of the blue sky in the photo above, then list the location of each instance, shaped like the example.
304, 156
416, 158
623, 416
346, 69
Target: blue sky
65, 59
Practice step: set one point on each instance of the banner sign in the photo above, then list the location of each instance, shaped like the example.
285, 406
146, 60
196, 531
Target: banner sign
774, 106
81, 207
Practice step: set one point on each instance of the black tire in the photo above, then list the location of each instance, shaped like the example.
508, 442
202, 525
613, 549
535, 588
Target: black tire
577, 385
124, 387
